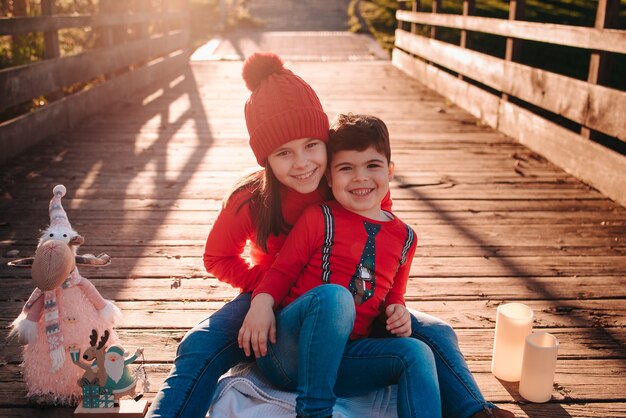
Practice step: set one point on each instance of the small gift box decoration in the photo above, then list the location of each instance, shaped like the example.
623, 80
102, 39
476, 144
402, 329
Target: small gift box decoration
95, 396
91, 396
106, 399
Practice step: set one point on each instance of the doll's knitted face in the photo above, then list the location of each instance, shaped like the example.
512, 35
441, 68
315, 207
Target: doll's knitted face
54, 261
61, 233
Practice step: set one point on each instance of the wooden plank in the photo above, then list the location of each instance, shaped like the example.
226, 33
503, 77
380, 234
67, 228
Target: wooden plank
177, 286
581, 314
476, 344
476, 65
18, 25
22, 83
577, 380
611, 40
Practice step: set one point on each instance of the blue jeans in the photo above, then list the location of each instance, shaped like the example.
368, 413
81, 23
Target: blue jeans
369, 364
460, 395
208, 350
313, 356
311, 335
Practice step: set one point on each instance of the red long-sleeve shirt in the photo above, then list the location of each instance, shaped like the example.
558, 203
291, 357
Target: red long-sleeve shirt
234, 227
303, 265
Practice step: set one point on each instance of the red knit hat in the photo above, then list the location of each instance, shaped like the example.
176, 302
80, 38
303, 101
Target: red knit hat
281, 108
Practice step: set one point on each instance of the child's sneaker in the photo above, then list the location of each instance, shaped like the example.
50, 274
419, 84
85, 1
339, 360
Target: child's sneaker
494, 412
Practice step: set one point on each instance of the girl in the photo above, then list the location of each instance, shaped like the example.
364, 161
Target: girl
285, 119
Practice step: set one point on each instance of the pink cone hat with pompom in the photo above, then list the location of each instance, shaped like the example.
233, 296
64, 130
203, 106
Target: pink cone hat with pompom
58, 217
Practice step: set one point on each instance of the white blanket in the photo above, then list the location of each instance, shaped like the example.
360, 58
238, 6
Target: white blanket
246, 394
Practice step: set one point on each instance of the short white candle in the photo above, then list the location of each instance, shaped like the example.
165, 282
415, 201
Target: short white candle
514, 321
538, 366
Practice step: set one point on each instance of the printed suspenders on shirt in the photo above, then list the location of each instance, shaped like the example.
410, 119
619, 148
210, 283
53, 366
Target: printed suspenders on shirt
410, 237
329, 235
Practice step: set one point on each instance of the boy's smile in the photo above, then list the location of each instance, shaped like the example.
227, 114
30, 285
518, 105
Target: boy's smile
360, 180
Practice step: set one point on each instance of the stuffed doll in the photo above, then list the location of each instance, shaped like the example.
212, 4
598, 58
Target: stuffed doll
63, 308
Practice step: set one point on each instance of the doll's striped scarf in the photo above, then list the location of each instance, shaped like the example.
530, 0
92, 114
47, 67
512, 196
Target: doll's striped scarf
51, 318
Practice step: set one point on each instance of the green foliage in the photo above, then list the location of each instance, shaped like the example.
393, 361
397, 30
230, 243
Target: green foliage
378, 15
381, 20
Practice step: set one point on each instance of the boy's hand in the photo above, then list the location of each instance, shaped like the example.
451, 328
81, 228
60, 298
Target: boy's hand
258, 324
398, 320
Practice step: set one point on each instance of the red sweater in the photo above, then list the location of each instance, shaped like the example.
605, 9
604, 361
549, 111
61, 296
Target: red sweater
302, 264
234, 228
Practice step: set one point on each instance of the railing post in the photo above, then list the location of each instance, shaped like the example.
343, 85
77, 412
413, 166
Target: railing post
514, 46
401, 6
105, 37
436, 8
469, 6
599, 63
51, 44
142, 28
415, 8
19, 9
51, 38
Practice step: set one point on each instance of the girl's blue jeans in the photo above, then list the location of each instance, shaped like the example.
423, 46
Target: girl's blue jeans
206, 352
312, 333
460, 395
210, 349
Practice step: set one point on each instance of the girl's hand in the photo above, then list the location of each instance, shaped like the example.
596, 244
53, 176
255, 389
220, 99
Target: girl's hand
398, 320
258, 324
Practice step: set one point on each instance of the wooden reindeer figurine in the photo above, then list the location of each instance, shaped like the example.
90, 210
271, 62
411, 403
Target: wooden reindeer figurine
94, 374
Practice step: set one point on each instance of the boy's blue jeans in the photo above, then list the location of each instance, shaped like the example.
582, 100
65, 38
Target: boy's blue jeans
312, 333
210, 349
311, 340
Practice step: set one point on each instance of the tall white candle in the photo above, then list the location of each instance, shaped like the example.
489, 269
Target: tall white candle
514, 321
538, 366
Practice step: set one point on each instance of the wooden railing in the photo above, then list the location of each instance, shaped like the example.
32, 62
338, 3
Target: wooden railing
124, 61
506, 94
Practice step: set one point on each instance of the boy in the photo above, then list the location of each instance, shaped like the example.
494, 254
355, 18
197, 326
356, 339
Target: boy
350, 242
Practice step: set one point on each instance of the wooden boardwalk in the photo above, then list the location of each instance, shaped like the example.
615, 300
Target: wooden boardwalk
496, 223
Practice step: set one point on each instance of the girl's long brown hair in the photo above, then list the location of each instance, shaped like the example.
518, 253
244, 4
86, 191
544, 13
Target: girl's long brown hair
265, 204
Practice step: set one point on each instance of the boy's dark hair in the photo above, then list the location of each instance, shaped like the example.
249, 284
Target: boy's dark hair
350, 132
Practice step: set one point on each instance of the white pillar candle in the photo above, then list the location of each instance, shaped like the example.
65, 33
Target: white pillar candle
514, 321
538, 366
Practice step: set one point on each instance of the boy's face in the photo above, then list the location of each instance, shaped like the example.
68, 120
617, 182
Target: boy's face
360, 180
299, 164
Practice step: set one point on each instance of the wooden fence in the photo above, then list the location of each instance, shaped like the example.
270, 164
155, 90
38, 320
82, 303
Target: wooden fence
502, 92
136, 47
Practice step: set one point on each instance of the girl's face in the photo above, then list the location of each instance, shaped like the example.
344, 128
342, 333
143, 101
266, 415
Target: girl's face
299, 164
360, 180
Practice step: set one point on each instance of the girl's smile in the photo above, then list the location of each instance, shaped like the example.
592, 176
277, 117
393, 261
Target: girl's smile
299, 164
